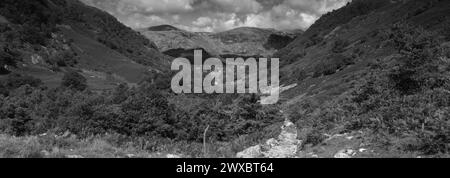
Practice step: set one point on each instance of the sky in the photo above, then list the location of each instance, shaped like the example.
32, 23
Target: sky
218, 15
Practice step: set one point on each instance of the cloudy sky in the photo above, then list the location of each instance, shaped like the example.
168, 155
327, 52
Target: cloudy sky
218, 15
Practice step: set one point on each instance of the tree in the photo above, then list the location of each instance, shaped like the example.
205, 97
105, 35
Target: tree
64, 59
14, 81
7, 57
74, 80
419, 50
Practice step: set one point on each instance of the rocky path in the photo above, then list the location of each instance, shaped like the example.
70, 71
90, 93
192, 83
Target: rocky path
285, 146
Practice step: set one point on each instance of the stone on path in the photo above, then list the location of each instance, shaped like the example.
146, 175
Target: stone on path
285, 146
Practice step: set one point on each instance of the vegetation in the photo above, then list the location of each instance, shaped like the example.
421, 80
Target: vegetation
339, 46
187, 53
143, 115
140, 113
313, 40
64, 59
278, 42
113, 34
36, 21
346, 13
14, 81
74, 80
402, 102
333, 63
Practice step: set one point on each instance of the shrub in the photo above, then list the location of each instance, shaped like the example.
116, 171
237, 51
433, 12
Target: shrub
314, 137
313, 40
402, 103
8, 57
419, 50
74, 80
12, 147
295, 57
64, 59
160, 81
278, 42
33, 35
15, 80
299, 75
332, 64
339, 46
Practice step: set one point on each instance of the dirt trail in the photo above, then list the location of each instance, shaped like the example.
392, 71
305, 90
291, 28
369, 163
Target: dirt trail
285, 146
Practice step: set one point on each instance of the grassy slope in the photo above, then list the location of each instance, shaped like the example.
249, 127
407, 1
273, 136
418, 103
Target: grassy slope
359, 32
356, 31
96, 56
104, 67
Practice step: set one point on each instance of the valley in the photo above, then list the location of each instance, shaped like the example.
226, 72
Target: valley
369, 80
245, 41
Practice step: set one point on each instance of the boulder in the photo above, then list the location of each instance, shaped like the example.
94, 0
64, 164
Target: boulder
173, 156
74, 156
346, 153
252, 152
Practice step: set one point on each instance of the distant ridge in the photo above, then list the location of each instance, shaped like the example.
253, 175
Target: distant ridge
163, 28
242, 41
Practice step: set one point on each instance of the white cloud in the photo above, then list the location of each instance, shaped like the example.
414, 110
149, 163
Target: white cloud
218, 15
202, 21
316, 7
239, 6
162, 6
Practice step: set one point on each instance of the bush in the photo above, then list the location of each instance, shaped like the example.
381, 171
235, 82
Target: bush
419, 50
160, 81
313, 40
403, 103
74, 80
37, 20
11, 147
15, 80
332, 64
33, 35
299, 75
278, 42
339, 46
8, 57
314, 138
64, 59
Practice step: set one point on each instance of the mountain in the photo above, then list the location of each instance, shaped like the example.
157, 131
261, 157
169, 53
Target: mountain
46, 38
368, 80
168, 38
343, 42
163, 28
371, 79
244, 41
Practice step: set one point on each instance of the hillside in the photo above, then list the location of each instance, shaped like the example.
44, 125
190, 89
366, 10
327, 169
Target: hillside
70, 72
167, 38
244, 41
357, 70
50, 37
371, 79
343, 42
